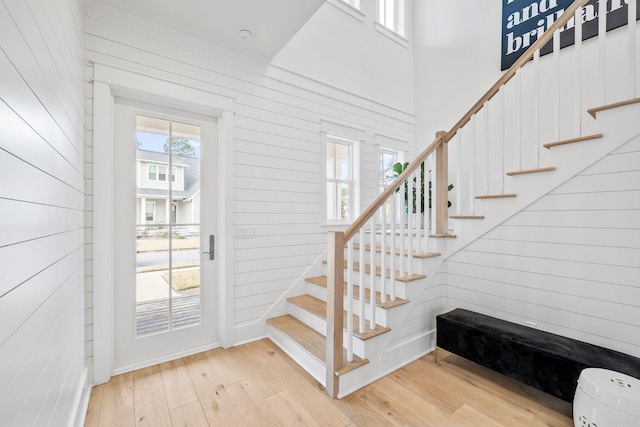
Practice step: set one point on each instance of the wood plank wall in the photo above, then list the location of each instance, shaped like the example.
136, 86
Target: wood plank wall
42, 211
570, 262
277, 146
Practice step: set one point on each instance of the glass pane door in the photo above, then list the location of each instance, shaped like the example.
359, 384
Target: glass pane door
167, 225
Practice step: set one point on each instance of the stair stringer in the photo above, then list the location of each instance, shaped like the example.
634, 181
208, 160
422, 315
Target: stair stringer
617, 125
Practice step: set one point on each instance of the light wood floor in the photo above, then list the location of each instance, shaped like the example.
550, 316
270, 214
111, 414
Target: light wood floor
257, 384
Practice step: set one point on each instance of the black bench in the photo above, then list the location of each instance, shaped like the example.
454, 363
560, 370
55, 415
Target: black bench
543, 360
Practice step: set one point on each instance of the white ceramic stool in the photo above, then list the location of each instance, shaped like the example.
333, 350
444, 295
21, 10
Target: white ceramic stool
606, 399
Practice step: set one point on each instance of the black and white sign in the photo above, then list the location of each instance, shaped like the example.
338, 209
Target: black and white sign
523, 21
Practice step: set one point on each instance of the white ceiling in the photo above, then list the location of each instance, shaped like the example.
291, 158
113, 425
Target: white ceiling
272, 22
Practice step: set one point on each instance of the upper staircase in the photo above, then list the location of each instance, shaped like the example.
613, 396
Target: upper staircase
373, 308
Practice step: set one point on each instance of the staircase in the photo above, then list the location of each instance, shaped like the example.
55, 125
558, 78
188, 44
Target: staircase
383, 279
301, 332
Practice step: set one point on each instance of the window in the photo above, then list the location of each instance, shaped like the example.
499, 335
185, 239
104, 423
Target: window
152, 172
391, 14
159, 173
162, 173
388, 158
150, 211
340, 192
353, 3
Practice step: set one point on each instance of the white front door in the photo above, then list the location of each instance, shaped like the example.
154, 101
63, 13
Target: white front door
165, 220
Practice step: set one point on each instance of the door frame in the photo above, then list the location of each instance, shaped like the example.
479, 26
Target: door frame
108, 82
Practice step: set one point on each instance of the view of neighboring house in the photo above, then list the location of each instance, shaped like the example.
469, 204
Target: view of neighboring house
162, 195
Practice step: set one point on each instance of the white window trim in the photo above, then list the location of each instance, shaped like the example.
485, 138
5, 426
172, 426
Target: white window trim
354, 190
391, 33
153, 214
348, 9
157, 166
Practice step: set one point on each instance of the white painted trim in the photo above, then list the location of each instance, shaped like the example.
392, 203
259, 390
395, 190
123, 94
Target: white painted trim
103, 232
348, 9
108, 82
163, 358
225, 229
83, 403
390, 34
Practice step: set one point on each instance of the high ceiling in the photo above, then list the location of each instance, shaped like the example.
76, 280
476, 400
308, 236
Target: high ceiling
272, 23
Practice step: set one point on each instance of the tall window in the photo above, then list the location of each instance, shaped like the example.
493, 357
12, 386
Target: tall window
388, 158
391, 14
353, 3
340, 192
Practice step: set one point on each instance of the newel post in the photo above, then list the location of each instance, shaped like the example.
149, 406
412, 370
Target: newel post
335, 284
442, 185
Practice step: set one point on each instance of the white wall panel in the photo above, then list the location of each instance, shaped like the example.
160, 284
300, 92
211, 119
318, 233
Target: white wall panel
569, 262
42, 199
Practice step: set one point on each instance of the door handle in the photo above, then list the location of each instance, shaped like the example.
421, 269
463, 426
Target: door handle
212, 250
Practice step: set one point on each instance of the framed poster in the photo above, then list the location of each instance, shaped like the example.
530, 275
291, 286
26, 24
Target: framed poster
523, 21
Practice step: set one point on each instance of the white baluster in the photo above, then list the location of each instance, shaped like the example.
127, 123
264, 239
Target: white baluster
410, 219
372, 275
556, 93
632, 26
383, 252
602, 48
577, 76
405, 203
350, 301
361, 280
392, 267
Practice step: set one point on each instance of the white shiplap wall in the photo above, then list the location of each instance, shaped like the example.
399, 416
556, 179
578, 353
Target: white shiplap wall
277, 186
42, 204
570, 262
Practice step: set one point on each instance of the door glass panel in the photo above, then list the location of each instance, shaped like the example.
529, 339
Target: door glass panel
168, 225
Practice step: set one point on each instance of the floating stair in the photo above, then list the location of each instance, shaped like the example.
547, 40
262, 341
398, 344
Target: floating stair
572, 140
526, 171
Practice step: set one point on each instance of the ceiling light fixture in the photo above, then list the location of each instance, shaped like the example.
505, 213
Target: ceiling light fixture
245, 34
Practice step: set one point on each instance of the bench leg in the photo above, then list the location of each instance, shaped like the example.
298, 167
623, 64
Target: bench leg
436, 354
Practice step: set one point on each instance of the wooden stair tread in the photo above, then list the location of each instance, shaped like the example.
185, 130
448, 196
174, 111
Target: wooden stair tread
312, 341
322, 281
573, 140
445, 235
405, 279
593, 111
496, 196
466, 216
319, 308
419, 255
526, 171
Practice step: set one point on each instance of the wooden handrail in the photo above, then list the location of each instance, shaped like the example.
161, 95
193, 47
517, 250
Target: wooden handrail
382, 198
526, 57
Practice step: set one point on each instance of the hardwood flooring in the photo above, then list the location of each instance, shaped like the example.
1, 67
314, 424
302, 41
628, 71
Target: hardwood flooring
257, 384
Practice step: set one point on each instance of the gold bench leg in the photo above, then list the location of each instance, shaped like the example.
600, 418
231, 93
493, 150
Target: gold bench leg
436, 354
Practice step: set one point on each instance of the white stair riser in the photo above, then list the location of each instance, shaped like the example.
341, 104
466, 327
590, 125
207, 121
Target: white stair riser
303, 358
320, 292
360, 347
